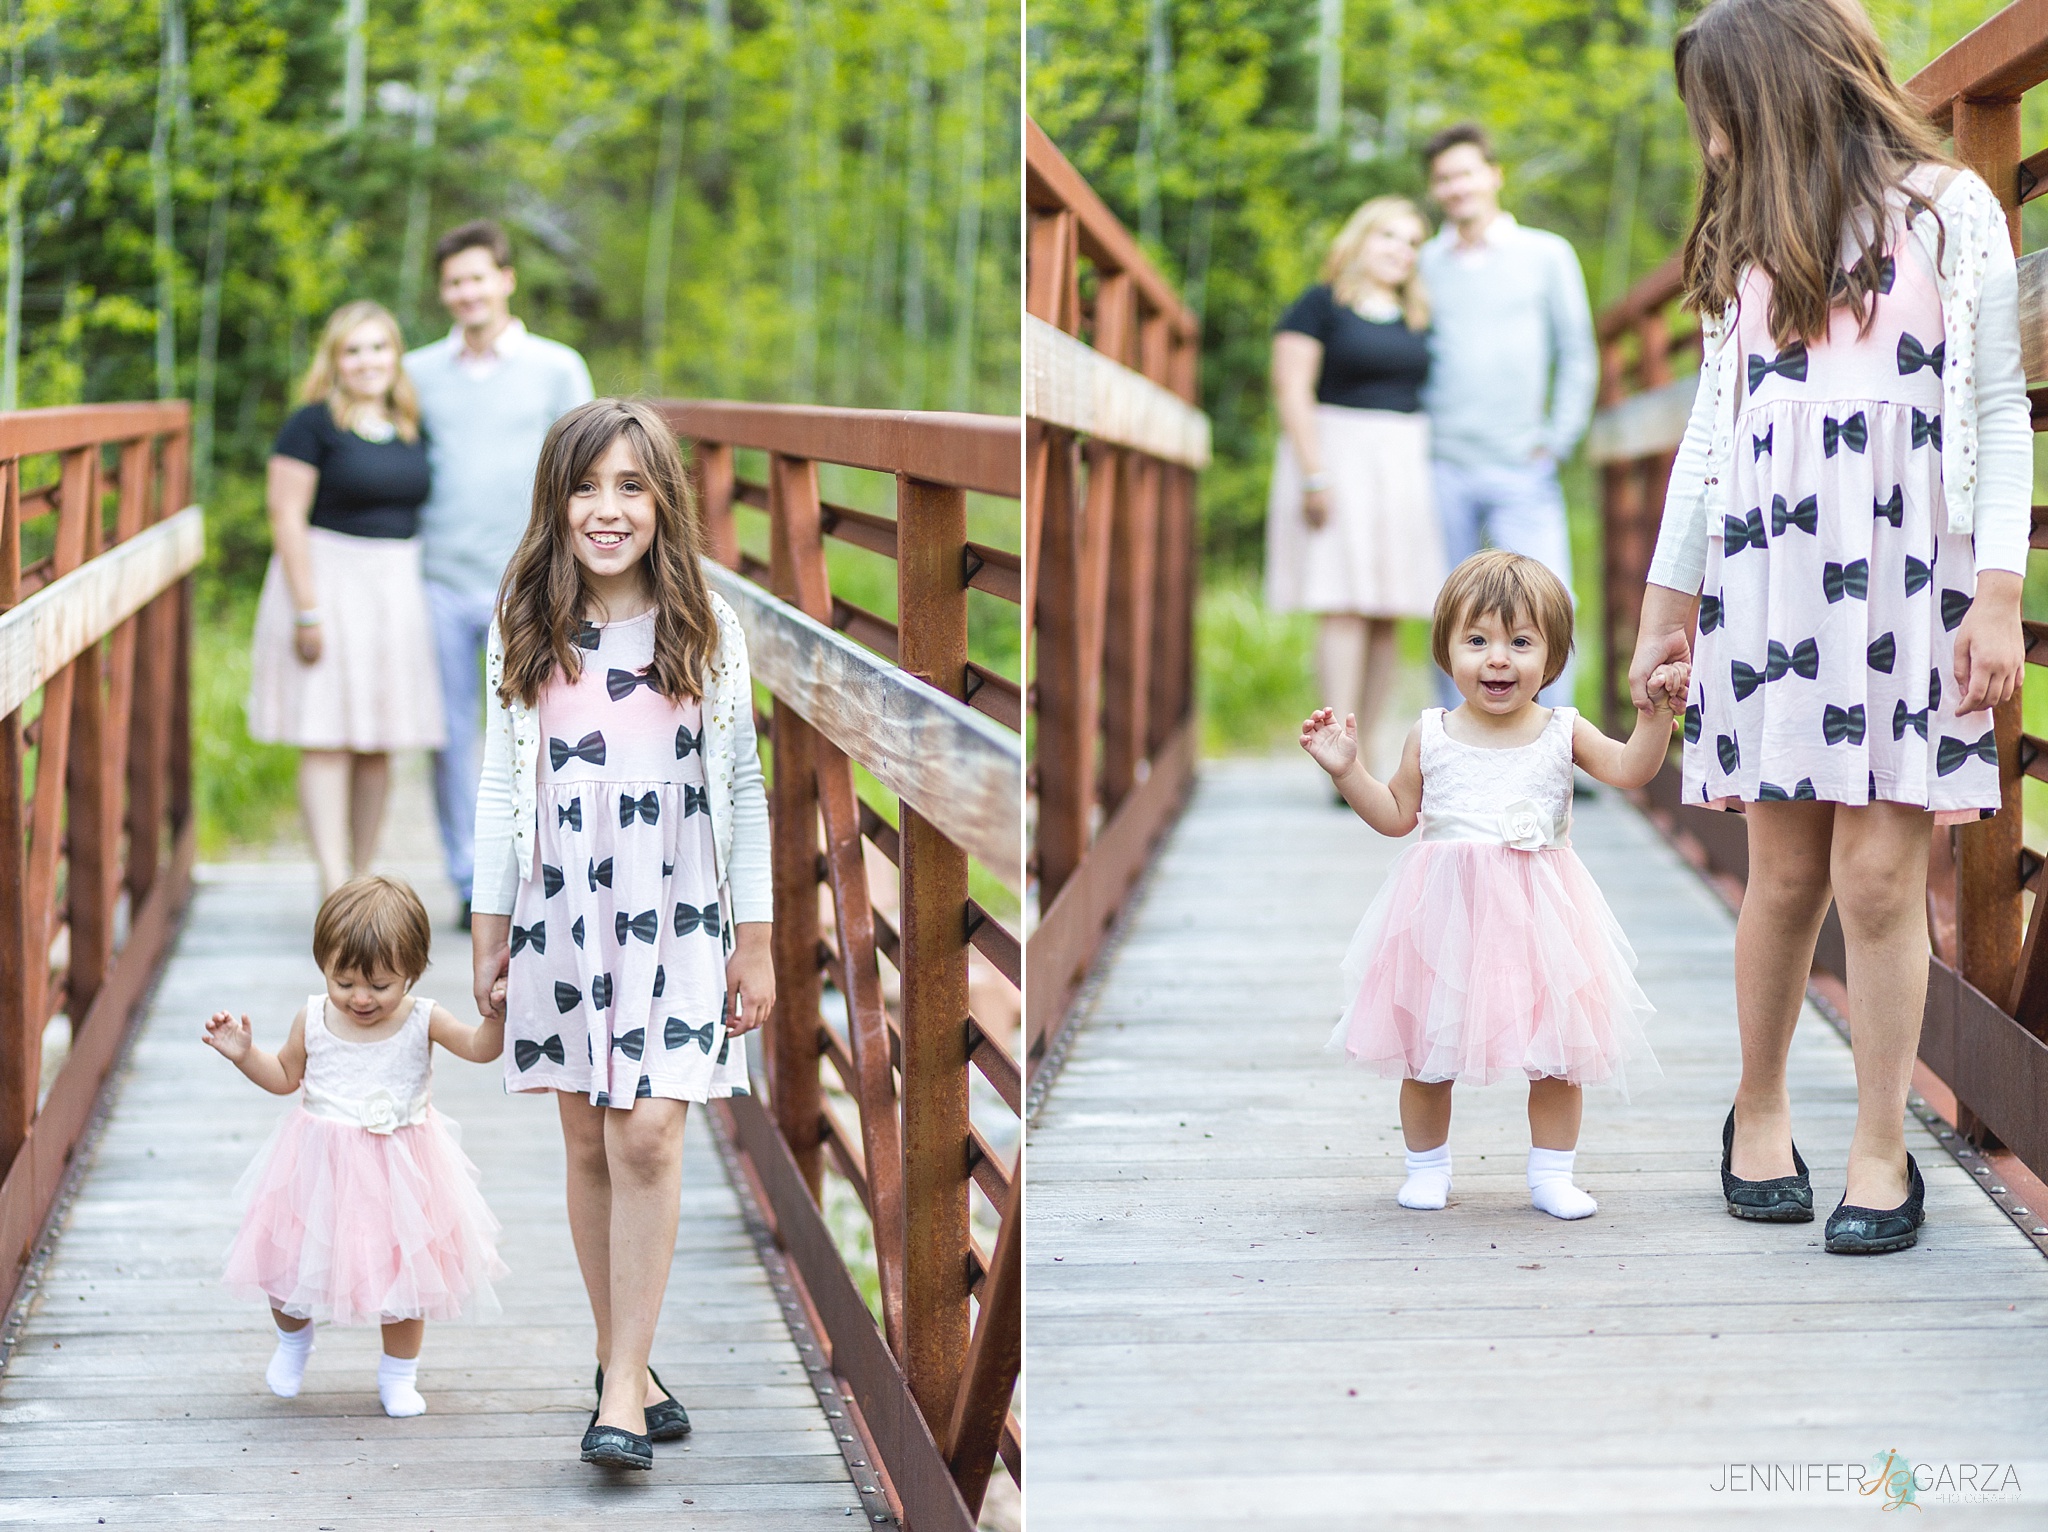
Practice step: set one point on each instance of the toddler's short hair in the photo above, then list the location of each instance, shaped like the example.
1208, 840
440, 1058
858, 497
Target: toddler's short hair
1516, 588
371, 923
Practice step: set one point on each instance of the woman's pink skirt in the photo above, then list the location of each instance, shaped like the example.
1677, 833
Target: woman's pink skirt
353, 1227
1478, 962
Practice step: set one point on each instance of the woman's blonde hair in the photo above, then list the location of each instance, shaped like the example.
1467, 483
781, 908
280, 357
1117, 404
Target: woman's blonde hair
1340, 266
1517, 589
323, 383
541, 602
373, 923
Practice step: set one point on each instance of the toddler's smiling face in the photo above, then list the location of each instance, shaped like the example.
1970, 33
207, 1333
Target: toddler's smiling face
367, 999
1498, 664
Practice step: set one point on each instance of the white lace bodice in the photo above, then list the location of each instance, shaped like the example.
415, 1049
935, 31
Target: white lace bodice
1520, 797
378, 1086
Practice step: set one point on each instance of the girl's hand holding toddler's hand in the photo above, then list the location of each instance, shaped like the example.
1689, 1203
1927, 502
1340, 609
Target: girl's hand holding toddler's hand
1668, 686
1331, 745
230, 1038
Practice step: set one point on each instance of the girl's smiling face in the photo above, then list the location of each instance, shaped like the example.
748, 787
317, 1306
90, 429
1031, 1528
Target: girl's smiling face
1498, 665
367, 999
611, 519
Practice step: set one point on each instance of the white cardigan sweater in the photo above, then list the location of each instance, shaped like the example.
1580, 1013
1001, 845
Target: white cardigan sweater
507, 799
1988, 437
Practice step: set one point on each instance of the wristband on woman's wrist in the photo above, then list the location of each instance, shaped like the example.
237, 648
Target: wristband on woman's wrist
309, 618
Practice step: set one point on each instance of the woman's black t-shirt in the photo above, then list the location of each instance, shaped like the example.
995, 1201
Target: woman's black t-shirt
367, 489
1367, 364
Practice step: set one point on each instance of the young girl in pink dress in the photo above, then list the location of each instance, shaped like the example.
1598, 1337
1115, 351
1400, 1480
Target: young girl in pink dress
362, 1205
1490, 952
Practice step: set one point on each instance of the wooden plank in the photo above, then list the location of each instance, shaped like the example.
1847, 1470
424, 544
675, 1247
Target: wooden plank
1642, 424
2001, 60
1070, 385
977, 452
1234, 1220
66, 428
169, 1382
955, 767
52, 627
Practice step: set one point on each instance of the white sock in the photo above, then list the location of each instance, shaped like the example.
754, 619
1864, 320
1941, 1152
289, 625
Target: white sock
395, 1388
1429, 1179
287, 1369
1550, 1185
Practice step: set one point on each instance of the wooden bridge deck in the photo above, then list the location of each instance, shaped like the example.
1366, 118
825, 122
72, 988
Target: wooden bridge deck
135, 1397
1232, 1324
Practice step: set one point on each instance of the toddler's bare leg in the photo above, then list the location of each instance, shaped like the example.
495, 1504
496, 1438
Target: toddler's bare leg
1426, 1129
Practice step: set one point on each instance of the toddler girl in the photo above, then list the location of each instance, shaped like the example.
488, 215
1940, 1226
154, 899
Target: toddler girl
623, 897
1490, 952
362, 1205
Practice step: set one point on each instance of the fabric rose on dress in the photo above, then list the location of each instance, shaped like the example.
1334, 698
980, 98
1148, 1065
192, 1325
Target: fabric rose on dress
1523, 826
379, 1112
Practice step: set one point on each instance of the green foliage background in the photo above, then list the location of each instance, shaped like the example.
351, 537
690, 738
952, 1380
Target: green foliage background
1196, 121
842, 174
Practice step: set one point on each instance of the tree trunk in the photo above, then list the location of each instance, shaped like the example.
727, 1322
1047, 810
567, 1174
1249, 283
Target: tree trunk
205, 373
967, 243
918, 197
169, 90
661, 236
1329, 68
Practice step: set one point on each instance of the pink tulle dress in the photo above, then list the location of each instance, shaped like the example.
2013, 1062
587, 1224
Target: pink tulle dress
1490, 952
362, 1206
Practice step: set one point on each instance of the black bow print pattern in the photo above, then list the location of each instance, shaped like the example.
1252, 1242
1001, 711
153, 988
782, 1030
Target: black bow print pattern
1759, 445
1711, 615
589, 748
1926, 428
1934, 688
1954, 606
599, 872
646, 925
527, 1054
567, 997
601, 991
586, 635
1912, 358
668, 869
1887, 272
1892, 510
1838, 724
1802, 792
689, 918
1789, 363
1693, 721
1883, 650
619, 684
686, 741
534, 936
1839, 580
660, 980
696, 800
1805, 515
632, 1044
1902, 720
676, 1032
551, 880
1802, 659
1951, 753
1853, 433
572, 816
644, 1090
647, 806
1739, 532
1729, 752
576, 931
1918, 575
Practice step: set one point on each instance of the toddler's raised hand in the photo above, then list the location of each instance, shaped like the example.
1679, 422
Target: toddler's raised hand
229, 1037
1333, 746
1668, 685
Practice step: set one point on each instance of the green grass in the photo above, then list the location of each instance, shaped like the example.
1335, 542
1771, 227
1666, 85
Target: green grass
243, 793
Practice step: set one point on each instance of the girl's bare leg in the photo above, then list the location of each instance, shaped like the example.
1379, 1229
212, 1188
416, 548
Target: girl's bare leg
1555, 1107
644, 1153
1425, 1114
1880, 874
402, 1337
1790, 852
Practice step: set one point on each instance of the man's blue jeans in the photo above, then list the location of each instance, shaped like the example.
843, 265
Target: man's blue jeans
1519, 508
462, 623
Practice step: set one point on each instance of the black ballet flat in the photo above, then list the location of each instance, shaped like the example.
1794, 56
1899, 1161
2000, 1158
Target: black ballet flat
667, 1420
1782, 1199
612, 1447
1875, 1231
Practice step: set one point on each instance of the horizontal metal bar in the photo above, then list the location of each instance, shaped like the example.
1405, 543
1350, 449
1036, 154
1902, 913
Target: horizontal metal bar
978, 452
995, 1064
1069, 384
2000, 61
58, 623
999, 572
995, 942
24, 433
958, 769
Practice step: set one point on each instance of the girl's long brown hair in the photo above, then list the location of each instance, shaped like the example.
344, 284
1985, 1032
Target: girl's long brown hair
540, 604
1817, 136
